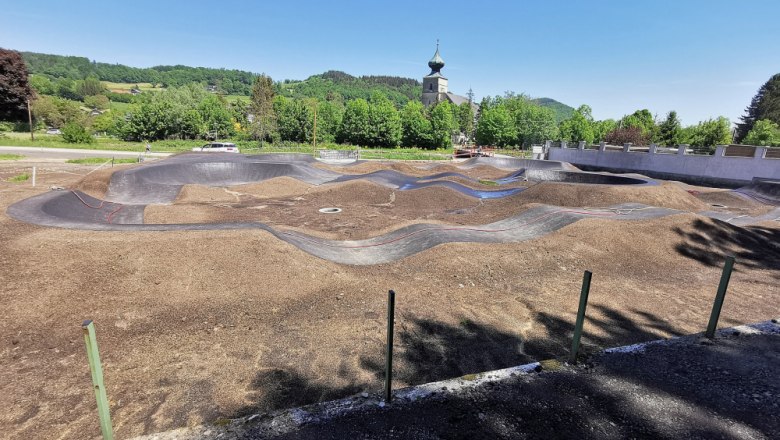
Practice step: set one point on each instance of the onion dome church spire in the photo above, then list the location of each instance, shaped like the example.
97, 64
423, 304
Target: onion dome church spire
436, 63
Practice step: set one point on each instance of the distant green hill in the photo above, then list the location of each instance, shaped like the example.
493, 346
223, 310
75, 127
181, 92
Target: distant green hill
334, 84
562, 111
233, 82
331, 84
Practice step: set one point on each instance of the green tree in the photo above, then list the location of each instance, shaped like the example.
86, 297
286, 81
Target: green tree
763, 133
765, 105
579, 126
602, 128
670, 130
295, 119
442, 124
709, 133
533, 123
14, 87
355, 124
103, 123
90, 86
216, 116
642, 119
56, 112
495, 126
329, 116
75, 133
97, 101
261, 105
384, 122
416, 127
190, 124
466, 119
42, 85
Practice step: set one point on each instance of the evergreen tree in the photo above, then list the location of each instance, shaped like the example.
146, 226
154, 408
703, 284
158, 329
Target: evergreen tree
765, 105
670, 130
466, 119
264, 124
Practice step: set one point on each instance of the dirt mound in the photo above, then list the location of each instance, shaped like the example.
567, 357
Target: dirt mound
368, 209
96, 184
197, 213
205, 194
418, 170
726, 199
665, 195
276, 187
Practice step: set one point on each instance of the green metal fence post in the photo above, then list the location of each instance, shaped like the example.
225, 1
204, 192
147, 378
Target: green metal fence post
575, 345
389, 358
97, 379
719, 297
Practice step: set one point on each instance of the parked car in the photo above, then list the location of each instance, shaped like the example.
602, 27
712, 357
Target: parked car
217, 147
53, 130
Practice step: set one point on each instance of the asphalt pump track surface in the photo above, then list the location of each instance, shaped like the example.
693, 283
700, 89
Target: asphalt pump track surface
131, 190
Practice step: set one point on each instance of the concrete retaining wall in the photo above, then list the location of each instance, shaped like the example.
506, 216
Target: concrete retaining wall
717, 170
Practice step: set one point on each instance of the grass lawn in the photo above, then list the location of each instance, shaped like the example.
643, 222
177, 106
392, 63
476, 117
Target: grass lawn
120, 107
100, 160
234, 98
405, 154
11, 156
20, 178
119, 87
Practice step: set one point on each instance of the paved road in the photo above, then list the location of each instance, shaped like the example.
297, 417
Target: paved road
41, 154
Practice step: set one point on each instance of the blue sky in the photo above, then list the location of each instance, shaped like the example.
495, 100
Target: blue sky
701, 58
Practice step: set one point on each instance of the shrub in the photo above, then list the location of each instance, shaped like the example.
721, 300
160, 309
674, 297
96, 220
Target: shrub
73, 133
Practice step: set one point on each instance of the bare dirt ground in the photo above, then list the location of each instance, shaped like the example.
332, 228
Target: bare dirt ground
195, 326
369, 209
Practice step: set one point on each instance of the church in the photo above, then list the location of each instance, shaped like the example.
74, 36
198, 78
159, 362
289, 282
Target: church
435, 85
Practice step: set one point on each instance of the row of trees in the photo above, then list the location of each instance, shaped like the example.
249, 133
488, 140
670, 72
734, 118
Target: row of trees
516, 120
189, 112
373, 122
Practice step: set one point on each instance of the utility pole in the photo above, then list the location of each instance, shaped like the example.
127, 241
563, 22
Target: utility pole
29, 119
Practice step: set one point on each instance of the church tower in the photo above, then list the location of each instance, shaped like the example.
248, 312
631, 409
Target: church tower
434, 84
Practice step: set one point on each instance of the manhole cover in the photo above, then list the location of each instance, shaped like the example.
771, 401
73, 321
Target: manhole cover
330, 210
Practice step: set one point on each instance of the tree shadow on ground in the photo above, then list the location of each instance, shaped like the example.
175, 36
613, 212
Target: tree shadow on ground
669, 392
711, 240
277, 388
427, 350
615, 328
